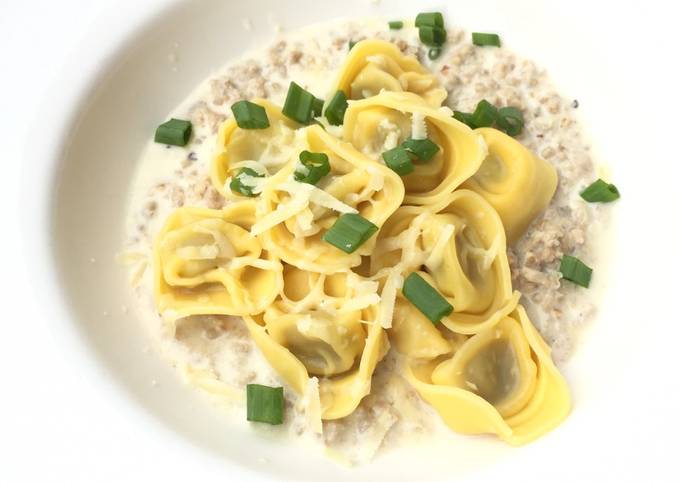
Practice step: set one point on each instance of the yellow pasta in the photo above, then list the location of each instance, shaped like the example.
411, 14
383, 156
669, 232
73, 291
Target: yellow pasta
263, 150
501, 381
413, 335
324, 326
324, 318
518, 184
206, 262
376, 65
460, 243
295, 215
381, 123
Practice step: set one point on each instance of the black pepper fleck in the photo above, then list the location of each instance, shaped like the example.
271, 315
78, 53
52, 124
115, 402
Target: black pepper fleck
574, 104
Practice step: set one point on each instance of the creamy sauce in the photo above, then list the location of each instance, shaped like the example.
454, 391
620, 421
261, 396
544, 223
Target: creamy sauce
216, 355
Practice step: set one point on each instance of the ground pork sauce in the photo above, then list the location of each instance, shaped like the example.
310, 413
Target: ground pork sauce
215, 353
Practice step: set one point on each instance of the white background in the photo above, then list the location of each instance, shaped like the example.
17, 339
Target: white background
55, 422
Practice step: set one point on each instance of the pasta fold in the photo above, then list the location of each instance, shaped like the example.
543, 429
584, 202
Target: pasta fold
518, 184
324, 326
501, 381
295, 215
458, 247
206, 262
383, 122
263, 150
376, 65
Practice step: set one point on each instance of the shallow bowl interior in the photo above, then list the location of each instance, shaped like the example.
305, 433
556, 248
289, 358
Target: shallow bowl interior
137, 87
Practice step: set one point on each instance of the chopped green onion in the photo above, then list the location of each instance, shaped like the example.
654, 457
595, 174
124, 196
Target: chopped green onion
434, 53
335, 110
349, 232
399, 161
510, 120
240, 184
432, 36
427, 299
575, 270
600, 192
313, 166
249, 115
317, 106
300, 105
485, 114
486, 39
507, 119
396, 24
464, 117
175, 132
430, 19
422, 149
265, 404
351, 44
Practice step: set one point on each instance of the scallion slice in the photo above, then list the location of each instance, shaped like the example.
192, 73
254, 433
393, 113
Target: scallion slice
313, 166
349, 232
398, 160
396, 24
510, 120
600, 192
485, 114
335, 110
265, 404
434, 53
427, 299
430, 19
486, 39
240, 182
300, 105
351, 44
464, 117
317, 107
421, 149
432, 36
175, 132
575, 270
249, 115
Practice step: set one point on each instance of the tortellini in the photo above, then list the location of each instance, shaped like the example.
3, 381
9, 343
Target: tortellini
323, 317
265, 151
501, 381
460, 242
324, 326
355, 184
413, 335
518, 184
207, 262
380, 123
376, 65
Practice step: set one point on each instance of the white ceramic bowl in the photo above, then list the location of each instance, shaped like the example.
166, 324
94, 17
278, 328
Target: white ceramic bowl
624, 399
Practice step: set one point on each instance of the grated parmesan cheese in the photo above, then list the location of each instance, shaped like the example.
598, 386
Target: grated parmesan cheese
283, 211
254, 165
418, 126
311, 404
388, 297
378, 60
436, 257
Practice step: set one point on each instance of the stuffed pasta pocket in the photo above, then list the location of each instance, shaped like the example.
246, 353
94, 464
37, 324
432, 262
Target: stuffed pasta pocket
374, 65
390, 121
295, 216
207, 262
500, 381
324, 326
458, 247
